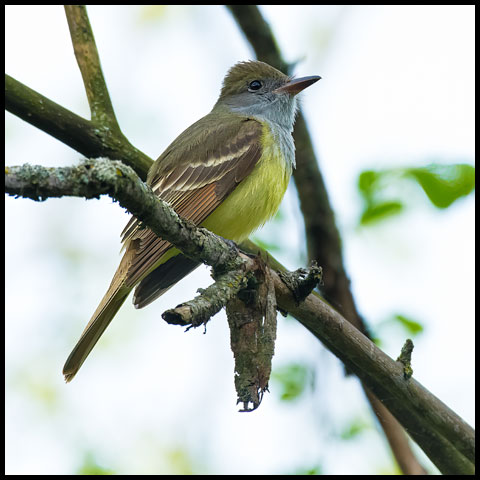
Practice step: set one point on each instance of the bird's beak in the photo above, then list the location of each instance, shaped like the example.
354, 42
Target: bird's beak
297, 85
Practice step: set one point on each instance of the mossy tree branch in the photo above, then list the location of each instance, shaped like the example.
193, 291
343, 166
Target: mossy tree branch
444, 436
92, 178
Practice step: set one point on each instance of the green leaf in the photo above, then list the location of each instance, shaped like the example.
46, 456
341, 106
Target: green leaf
293, 379
410, 325
443, 184
366, 182
380, 211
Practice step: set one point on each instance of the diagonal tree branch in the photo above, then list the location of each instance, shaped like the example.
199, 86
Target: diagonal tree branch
444, 436
323, 239
82, 135
436, 445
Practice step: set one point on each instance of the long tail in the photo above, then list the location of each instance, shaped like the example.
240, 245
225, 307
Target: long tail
150, 288
109, 306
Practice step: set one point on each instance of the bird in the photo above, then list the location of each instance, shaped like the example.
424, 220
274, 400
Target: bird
227, 172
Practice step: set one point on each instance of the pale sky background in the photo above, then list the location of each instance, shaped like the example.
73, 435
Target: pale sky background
397, 89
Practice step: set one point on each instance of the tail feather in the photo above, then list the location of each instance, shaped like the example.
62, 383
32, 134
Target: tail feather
109, 306
93, 331
156, 283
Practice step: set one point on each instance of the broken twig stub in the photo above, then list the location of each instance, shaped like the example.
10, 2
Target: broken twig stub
252, 318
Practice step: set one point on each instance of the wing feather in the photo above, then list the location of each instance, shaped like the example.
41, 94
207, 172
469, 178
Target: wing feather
213, 171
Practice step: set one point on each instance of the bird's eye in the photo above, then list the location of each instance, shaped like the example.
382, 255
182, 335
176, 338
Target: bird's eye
255, 85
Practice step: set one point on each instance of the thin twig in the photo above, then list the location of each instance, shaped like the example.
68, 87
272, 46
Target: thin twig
406, 358
88, 61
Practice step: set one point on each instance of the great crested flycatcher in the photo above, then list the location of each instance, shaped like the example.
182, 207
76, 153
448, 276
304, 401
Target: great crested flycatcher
227, 172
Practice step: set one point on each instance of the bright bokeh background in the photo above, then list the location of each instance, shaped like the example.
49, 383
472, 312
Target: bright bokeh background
397, 90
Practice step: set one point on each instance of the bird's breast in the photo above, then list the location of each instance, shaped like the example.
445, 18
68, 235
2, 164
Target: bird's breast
257, 198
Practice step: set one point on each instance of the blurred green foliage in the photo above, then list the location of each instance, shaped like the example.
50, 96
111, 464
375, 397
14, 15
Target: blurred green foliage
378, 211
409, 326
180, 462
171, 461
317, 470
355, 428
91, 467
443, 184
293, 379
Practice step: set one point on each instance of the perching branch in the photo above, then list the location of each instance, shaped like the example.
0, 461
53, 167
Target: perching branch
444, 436
92, 178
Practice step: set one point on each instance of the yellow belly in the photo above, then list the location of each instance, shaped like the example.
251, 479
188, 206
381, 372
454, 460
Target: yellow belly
255, 200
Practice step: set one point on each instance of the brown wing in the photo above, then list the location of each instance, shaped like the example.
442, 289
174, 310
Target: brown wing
196, 183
